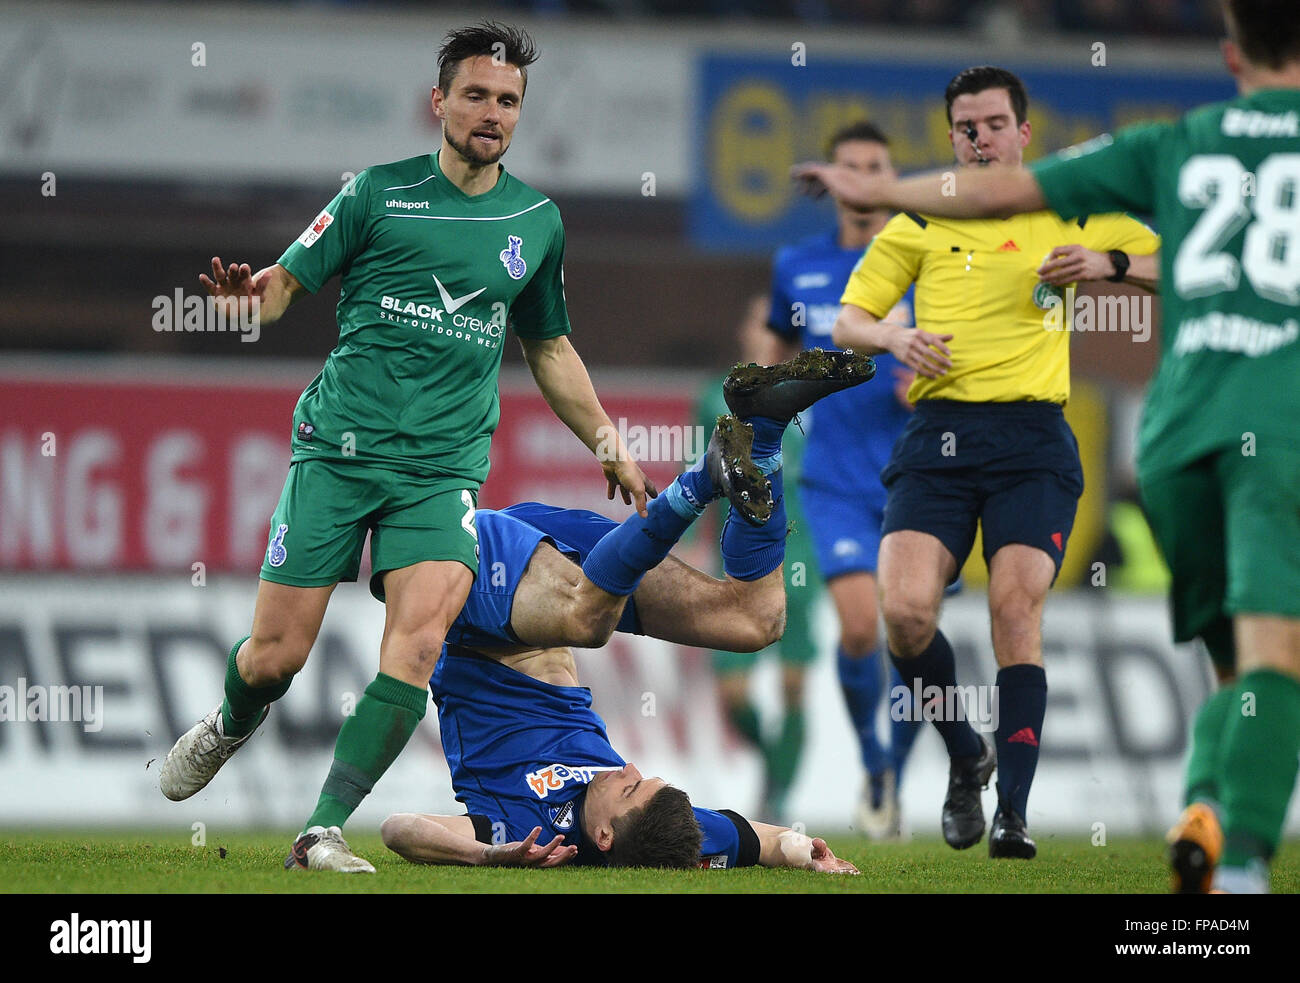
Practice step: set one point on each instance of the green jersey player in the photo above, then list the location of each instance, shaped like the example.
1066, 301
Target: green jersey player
1218, 462
439, 255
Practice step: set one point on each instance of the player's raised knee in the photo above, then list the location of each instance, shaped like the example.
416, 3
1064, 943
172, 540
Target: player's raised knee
761, 626
592, 631
592, 617
772, 623
395, 830
270, 659
418, 650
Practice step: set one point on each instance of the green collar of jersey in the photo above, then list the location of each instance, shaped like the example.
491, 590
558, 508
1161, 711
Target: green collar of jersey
494, 192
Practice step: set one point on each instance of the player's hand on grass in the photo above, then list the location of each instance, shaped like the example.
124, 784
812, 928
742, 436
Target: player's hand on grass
526, 852
1074, 263
848, 187
626, 476
824, 860
922, 351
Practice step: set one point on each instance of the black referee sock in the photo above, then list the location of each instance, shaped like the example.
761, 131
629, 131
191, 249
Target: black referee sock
937, 667
1022, 703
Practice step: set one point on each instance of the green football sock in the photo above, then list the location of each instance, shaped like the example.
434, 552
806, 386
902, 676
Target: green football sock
1207, 744
369, 741
783, 756
745, 719
1258, 770
241, 710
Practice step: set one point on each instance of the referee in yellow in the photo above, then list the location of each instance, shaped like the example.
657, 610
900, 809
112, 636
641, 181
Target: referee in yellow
988, 442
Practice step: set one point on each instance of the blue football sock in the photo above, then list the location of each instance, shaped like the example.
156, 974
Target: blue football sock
902, 732
1022, 703
767, 436
750, 552
691, 492
860, 682
937, 667
623, 555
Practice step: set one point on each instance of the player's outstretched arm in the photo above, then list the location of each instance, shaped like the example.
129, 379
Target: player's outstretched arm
567, 387
450, 840
274, 288
780, 846
966, 192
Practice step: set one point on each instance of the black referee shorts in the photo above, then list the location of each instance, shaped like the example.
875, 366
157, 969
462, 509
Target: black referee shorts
1012, 467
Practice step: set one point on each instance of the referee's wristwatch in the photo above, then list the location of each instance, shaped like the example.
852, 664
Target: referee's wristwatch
1121, 261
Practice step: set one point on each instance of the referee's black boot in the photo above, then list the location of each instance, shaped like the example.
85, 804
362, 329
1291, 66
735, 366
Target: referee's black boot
781, 391
734, 473
1009, 836
963, 813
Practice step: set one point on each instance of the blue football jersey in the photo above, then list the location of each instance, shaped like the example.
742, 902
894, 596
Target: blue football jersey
850, 433
522, 751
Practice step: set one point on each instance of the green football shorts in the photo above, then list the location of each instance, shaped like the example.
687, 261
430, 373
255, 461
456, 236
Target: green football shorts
326, 508
1229, 527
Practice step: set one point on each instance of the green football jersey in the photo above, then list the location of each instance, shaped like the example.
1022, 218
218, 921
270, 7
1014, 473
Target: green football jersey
431, 279
1223, 183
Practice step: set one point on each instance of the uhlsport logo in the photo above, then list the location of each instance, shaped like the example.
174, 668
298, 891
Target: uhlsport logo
406, 205
276, 554
510, 258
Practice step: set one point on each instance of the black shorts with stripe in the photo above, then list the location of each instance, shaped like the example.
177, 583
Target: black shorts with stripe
1013, 468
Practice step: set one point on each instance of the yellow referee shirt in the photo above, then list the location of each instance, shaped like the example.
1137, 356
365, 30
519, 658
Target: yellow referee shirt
976, 280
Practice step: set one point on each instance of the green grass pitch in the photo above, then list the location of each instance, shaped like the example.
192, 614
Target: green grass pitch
130, 862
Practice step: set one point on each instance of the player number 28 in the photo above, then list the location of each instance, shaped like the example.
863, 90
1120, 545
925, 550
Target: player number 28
1270, 254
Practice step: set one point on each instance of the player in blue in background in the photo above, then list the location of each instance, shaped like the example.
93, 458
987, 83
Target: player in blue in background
850, 437
526, 751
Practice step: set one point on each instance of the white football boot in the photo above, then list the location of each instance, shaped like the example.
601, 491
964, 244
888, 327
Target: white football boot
880, 819
318, 848
198, 755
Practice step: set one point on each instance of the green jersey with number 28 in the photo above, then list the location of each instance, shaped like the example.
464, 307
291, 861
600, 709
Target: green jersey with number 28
1224, 186
431, 278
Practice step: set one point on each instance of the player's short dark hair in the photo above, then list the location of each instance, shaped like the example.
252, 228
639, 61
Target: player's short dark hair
1267, 31
862, 130
508, 44
981, 77
661, 833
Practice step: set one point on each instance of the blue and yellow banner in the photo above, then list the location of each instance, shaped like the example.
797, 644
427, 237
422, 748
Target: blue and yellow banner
759, 115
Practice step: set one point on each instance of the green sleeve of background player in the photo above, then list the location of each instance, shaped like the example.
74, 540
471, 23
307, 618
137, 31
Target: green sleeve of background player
540, 311
1106, 174
336, 236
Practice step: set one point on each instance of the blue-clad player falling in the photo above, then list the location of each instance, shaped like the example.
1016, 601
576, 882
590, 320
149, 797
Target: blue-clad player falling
529, 758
